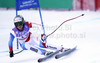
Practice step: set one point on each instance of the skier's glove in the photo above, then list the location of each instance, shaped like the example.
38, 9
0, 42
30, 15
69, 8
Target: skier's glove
43, 37
11, 54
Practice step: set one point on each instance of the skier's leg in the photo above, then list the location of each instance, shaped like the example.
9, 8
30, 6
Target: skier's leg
35, 48
33, 45
50, 46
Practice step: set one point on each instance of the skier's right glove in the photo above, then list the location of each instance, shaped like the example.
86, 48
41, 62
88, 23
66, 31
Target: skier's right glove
11, 54
43, 37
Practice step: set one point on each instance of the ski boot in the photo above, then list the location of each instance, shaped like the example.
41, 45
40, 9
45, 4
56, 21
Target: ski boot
46, 53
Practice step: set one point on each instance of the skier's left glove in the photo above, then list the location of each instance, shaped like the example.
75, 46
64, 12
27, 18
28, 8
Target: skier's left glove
11, 54
43, 37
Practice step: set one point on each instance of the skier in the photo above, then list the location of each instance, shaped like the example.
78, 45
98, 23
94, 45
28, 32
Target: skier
26, 40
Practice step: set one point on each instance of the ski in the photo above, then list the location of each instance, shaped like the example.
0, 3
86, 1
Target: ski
68, 51
58, 55
47, 57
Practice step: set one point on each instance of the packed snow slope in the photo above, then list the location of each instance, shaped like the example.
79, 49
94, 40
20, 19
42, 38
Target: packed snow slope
83, 32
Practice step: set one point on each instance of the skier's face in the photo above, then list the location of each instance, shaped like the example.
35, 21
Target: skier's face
20, 27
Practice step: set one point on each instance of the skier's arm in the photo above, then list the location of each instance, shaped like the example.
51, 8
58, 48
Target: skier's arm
35, 25
10, 44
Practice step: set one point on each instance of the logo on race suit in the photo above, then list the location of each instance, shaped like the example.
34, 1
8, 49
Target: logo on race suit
33, 49
23, 33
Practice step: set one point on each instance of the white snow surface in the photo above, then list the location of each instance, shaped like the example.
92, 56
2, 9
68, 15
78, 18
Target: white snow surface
83, 32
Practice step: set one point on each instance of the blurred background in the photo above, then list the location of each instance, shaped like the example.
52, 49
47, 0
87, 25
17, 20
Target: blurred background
92, 5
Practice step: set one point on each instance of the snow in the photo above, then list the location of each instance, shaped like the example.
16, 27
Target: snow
83, 32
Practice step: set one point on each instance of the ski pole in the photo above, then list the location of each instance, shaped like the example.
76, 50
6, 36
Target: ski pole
18, 52
63, 23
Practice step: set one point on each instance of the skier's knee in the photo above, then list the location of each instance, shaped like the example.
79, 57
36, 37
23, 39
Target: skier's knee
43, 45
23, 46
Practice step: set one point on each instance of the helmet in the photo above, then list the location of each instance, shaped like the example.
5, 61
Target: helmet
18, 20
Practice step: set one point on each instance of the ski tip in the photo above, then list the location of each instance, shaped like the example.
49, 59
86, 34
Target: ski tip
56, 56
75, 46
39, 60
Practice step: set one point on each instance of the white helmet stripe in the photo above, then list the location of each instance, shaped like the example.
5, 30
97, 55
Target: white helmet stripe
17, 20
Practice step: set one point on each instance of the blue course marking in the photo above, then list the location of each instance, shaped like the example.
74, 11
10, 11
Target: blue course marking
95, 61
89, 20
6, 51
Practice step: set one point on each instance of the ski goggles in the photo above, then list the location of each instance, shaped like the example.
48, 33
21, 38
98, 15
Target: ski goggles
19, 24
